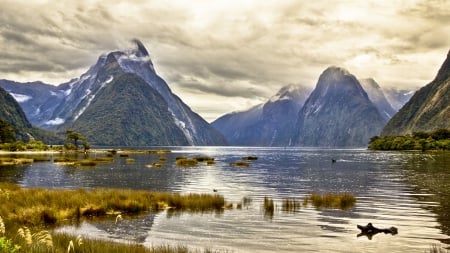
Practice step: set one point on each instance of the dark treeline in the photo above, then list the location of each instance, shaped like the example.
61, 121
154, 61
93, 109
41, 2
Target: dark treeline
436, 140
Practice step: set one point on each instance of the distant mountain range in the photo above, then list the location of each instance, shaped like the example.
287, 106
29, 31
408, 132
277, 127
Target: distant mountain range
378, 98
427, 110
342, 111
338, 113
119, 101
268, 124
14, 125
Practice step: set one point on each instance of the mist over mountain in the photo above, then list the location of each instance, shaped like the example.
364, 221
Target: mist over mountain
268, 124
428, 109
376, 95
398, 97
338, 113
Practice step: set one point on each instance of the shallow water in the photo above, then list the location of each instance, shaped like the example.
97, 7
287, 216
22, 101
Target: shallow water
389, 188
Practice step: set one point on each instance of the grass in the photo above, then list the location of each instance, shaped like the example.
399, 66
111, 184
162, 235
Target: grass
269, 207
43, 207
437, 249
290, 205
44, 242
186, 162
342, 201
25, 214
240, 164
15, 161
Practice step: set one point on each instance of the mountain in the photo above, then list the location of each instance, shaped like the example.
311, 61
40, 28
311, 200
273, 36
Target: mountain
268, 124
141, 118
154, 114
376, 95
14, 124
427, 110
338, 113
398, 97
31, 96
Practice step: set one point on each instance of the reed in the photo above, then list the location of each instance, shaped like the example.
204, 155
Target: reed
290, 205
37, 207
62, 241
28, 210
186, 162
15, 161
437, 249
342, 201
240, 164
269, 207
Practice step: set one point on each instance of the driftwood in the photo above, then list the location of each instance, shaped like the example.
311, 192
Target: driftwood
369, 230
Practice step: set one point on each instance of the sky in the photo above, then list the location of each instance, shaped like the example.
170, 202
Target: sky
222, 56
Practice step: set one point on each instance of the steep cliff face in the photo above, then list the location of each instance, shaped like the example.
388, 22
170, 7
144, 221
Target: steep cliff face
268, 124
428, 109
14, 124
338, 113
378, 98
141, 118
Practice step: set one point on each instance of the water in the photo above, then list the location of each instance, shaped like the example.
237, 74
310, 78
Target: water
407, 190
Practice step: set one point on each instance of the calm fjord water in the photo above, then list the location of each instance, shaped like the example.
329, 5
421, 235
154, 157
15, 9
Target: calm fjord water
407, 190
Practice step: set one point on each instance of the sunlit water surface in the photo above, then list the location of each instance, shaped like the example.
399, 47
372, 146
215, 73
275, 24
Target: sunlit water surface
380, 181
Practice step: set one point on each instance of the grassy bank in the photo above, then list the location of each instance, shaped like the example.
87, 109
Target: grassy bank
36, 210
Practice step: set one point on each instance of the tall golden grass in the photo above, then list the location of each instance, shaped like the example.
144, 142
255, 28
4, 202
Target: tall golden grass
43, 207
34, 209
342, 201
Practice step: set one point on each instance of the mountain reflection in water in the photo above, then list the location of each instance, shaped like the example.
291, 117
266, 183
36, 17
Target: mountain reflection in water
407, 190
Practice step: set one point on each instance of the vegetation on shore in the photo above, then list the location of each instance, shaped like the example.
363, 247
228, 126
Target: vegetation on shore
343, 201
27, 211
436, 140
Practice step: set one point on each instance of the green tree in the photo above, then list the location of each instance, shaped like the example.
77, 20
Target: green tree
72, 139
6, 132
441, 134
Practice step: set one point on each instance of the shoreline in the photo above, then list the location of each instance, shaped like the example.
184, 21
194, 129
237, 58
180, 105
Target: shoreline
45, 152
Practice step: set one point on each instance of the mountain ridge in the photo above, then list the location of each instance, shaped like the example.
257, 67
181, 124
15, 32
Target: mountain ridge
338, 113
70, 100
268, 124
428, 109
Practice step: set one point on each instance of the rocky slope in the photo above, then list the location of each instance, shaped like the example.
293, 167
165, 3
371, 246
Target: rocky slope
268, 124
14, 124
338, 113
376, 95
68, 103
428, 109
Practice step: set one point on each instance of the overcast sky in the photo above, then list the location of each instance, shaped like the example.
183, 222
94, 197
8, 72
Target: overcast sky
222, 56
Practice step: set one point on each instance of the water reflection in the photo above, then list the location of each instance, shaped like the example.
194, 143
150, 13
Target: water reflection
407, 190
430, 177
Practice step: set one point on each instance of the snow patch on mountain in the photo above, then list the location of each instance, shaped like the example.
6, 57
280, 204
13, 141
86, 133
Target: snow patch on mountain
55, 122
182, 125
92, 96
20, 97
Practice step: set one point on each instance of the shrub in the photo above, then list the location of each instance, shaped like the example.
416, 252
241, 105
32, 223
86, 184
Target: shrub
7, 246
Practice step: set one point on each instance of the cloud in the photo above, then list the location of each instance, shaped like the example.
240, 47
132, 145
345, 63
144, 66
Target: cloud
238, 51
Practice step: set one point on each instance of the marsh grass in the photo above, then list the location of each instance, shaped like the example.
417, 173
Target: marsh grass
186, 162
437, 249
240, 164
342, 201
269, 207
290, 205
30, 211
45, 207
15, 161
